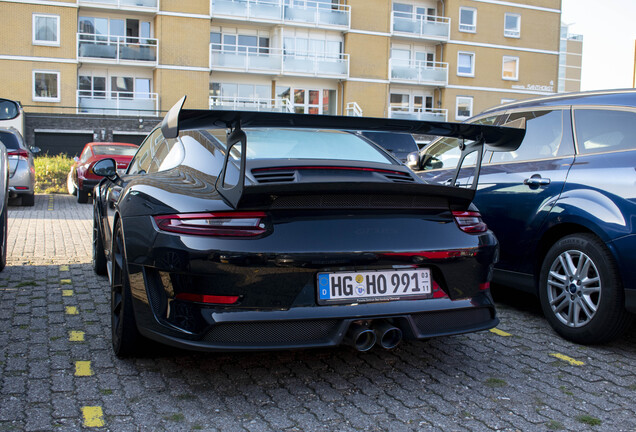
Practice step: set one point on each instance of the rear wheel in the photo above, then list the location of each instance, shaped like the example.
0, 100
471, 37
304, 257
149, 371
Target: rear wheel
99, 258
82, 196
580, 291
28, 200
125, 336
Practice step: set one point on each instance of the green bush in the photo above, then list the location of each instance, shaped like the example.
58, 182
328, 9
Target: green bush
51, 172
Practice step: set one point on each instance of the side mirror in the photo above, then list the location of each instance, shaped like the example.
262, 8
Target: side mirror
35, 149
106, 168
412, 160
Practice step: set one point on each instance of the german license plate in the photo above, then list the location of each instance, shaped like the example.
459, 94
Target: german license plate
368, 286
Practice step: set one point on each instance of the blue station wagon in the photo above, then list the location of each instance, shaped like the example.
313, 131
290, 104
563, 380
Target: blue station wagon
563, 206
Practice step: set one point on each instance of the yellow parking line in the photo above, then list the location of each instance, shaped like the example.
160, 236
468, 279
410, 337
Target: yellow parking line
65, 281
93, 416
567, 359
67, 293
500, 332
71, 310
76, 336
64, 268
83, 368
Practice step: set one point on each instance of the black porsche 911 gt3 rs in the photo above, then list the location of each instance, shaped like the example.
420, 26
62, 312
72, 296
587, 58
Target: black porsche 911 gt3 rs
247, 231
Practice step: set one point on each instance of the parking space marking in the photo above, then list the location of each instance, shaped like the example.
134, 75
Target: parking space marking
76, 336
83, 368
64, 268
65, 281
567, 359
67, 293
93, 416
500, 332
71, 310
50, 203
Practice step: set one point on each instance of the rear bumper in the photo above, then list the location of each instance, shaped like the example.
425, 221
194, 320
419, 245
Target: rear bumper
297, 329
22, 178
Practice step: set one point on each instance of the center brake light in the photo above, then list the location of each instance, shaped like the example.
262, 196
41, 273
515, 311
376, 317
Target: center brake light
221, 224
470, 222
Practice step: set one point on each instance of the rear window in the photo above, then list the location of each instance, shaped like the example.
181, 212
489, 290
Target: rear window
114, 150
306, 144
599, 131
9, 140
393, 142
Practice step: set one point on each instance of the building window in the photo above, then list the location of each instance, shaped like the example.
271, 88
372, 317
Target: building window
46, 30
46, 86
464, 107
92, 86
467, 20
512, 25
232, 42
466, 64
510, 68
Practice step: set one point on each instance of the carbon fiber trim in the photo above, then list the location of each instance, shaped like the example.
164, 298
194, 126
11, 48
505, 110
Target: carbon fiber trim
265, 333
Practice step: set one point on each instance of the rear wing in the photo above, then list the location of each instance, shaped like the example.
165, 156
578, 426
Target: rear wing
178, 119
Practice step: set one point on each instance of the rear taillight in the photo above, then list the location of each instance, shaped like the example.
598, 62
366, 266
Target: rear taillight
227, 224
21, 153
205, 298
470, 221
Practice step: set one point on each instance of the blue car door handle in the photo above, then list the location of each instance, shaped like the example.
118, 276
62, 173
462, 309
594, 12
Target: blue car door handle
536, 180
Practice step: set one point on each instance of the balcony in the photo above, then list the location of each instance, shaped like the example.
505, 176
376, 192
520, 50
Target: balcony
420, 26
250, 104
245, 59
117, 103
427, 114
127, 5
310, 13
418, 72
251, 59
324, 65
120, 49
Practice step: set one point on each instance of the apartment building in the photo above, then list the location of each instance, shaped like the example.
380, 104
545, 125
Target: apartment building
570, 61
98, 60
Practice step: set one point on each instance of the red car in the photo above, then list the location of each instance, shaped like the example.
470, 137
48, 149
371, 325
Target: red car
81, 179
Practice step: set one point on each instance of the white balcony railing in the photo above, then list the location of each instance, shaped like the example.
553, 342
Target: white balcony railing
117, 103
276, 61
118, 48
326, 65
250, 104
418, 72
137, 5
420, 26
313, 13
246, 59
353, 109
422, 114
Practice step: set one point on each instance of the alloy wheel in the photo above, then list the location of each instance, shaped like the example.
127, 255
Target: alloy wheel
574, 288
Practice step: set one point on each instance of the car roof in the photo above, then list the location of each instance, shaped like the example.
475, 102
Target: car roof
111, 144
625, 97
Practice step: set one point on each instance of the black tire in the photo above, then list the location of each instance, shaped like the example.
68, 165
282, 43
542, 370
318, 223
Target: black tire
99, 257
82, 196
4, 226
28, 200
581, 292
125, 335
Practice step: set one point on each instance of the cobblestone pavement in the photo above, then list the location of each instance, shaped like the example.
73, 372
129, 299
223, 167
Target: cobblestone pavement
58, 371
